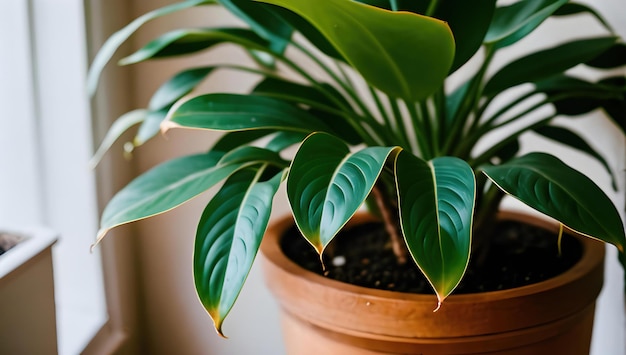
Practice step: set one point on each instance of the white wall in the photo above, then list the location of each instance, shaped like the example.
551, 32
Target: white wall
174, 321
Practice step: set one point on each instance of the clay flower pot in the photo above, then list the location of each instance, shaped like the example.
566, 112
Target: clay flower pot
324, 316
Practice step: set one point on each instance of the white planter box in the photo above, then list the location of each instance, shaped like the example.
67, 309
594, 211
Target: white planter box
27, 308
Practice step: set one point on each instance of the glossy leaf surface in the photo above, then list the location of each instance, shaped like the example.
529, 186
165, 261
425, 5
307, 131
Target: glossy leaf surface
228, 237
403, 54
327, 184
548, 185
176, 181
118, 38
231, 112
436, 202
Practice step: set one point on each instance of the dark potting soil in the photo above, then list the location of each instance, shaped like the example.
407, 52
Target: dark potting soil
519, 255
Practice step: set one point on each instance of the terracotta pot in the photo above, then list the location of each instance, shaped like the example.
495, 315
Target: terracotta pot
324, 316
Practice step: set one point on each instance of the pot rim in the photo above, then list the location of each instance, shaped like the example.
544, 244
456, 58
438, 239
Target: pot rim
592, 250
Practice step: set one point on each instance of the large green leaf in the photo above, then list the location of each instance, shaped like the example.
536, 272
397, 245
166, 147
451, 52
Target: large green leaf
232, 112
436, 202
553, 61
186, 41
228, 238
403, 54
548, 185
327, 184
115, 41
513, 22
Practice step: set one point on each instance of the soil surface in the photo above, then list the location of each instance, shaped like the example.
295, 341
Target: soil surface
518, 255
8, 241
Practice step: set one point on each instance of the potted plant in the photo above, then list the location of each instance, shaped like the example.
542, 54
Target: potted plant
384, 126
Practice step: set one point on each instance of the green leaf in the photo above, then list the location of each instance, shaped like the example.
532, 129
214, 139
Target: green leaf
327, 184
283, 140
187, 41
150, 127
548, 185
553, 61
469, 31
403, 54
308, 31
178, 86
232, 140
572, 96
436, 203
118, 38
163, 188
316, 99
614, 57
121, 125
247, 154
571, 139
228, 238
514, 22
232, 112
262, 20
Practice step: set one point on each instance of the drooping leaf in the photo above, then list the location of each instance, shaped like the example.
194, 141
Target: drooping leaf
163, 188
514, 22
228, 237
327, 184
571, 139
178, 86
262, 20
553, 61
187, 41
403, 54
436, 203
548, 185
118, 38
121, 125
231, 112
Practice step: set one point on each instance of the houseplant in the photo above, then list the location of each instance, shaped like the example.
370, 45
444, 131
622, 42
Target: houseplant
436, 133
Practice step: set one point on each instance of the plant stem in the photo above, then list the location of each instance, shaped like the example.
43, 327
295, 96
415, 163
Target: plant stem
390, 219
